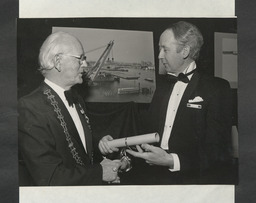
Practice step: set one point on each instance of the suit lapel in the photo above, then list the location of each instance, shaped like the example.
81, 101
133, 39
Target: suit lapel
87, 131
183, 103
68, 119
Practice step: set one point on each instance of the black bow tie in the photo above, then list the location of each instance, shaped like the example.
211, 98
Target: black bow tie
71, 96
181, 77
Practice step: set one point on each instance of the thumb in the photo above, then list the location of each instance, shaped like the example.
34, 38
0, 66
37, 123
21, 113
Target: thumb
108, 137
147, 147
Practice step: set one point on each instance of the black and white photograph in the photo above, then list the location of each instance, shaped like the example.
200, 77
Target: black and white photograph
75, 128
85, 119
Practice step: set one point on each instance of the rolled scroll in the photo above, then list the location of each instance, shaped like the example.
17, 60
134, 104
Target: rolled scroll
135, 140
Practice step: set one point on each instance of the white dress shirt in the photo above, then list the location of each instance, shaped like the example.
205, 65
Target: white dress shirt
173, 105
71, 109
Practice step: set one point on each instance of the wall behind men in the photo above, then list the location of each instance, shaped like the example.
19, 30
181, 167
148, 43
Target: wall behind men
32, 32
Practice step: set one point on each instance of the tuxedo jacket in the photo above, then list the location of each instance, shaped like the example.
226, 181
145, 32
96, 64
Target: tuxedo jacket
45, 155
201, 136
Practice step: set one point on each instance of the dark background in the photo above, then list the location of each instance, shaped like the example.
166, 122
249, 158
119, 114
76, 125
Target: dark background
33, 32
118, 119
246, 100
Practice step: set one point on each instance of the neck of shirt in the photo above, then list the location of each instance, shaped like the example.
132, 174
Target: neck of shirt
189, 68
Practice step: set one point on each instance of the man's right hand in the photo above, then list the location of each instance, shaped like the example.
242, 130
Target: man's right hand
110, 170
104, 147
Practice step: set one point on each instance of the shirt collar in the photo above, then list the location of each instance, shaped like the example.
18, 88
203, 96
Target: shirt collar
189, 68
59, 90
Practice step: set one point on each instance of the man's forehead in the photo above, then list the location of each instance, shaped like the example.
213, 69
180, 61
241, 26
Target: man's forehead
73, 47
167, 37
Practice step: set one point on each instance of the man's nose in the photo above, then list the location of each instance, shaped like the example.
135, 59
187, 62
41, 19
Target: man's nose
84, 64
161, 55
85, 68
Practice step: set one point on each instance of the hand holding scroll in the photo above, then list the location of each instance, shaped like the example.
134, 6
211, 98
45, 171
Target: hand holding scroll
104, 146
153, 155
108, 145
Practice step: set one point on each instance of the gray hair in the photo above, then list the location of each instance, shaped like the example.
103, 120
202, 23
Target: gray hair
188, 34
53, 45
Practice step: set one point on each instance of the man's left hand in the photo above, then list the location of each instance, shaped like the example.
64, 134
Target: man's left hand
153, 155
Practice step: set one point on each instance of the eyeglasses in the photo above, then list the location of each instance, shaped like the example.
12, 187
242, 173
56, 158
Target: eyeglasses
81, 58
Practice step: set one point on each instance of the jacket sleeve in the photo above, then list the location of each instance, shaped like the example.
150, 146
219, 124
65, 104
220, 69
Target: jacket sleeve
216, 145
45, 164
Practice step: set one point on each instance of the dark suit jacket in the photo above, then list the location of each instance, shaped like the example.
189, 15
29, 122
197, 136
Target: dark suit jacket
200, 137
44, 154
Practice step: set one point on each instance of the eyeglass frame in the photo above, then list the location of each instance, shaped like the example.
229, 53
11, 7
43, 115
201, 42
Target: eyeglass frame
81, 58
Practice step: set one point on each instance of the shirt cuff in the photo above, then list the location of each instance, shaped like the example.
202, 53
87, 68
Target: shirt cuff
176, 163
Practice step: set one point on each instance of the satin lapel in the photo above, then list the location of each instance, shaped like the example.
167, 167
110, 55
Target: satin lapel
183, 103
87, 131
160, 102
69, 121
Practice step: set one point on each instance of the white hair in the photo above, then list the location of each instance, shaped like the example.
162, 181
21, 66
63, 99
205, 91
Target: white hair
53, 45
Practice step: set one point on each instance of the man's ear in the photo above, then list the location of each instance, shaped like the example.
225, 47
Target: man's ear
185, 51
56, 62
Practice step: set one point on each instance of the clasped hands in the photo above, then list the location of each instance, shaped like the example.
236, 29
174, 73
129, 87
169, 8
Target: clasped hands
151, 154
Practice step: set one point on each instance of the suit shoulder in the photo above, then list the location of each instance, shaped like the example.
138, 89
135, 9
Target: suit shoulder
214, 82
35, 100
32, 96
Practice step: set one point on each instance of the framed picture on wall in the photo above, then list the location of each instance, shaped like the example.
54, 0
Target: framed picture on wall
225, 57
121, 63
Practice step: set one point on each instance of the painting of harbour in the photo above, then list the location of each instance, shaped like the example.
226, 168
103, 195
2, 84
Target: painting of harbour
120, 64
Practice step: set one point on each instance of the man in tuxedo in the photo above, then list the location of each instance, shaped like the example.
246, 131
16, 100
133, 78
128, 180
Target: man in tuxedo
55, 138
192, 114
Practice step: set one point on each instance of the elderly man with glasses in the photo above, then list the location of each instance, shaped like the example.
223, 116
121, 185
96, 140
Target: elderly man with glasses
55, 138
